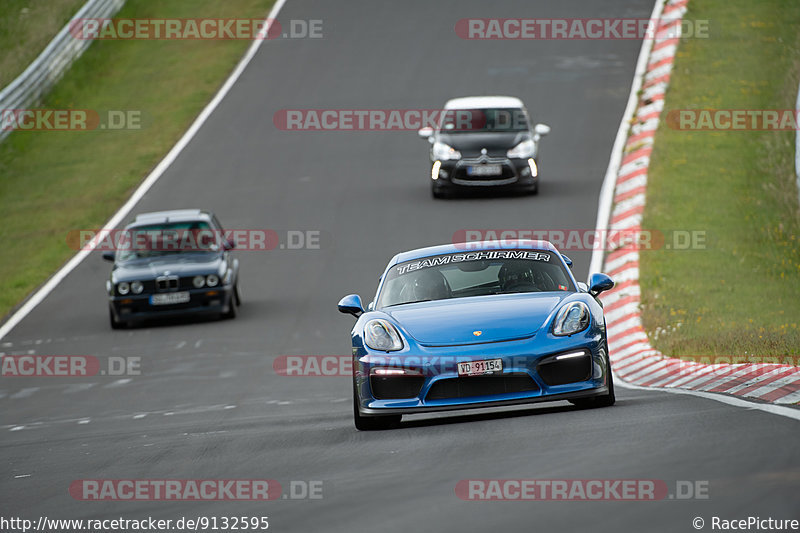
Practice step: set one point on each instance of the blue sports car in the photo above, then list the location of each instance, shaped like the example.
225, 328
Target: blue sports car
479, 324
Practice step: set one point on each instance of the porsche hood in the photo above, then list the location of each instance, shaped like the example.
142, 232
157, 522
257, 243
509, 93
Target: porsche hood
475, 320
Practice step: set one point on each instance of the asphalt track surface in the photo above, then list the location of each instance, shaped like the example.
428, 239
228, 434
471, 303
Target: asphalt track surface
208, 403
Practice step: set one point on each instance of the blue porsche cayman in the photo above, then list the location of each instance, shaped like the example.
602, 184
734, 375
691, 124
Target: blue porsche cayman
480, 324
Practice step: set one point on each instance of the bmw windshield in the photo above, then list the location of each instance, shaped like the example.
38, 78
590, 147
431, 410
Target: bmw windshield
167, 239
477, 273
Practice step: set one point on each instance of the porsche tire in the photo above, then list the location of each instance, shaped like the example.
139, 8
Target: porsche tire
607, 400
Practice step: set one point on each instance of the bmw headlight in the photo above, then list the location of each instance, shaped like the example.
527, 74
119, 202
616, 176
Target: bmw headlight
123, 288
444, 152
381, 335
571, 318
198, 282
137, 287
212, 280
523, 150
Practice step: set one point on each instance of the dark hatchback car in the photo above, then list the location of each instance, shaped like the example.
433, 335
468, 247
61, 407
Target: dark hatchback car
172, 263
484, 143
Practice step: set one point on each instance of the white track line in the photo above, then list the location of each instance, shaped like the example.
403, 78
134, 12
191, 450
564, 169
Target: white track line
788, 412
610, 179
165, 163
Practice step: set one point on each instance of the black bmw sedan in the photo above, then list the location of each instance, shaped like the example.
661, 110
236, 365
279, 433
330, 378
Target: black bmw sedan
482, 143
172, 263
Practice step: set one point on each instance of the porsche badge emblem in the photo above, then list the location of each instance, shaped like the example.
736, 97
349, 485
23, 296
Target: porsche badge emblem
477, 333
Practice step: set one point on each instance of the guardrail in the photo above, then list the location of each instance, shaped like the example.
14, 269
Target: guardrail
40, 76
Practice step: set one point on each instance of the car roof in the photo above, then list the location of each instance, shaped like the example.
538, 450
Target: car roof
484, 102
518, 244
174, 215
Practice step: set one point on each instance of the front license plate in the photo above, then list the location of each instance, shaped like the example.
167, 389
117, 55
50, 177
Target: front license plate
479, 368
170, 298
484, 170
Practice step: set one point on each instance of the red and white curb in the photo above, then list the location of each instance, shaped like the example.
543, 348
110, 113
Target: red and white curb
633, 359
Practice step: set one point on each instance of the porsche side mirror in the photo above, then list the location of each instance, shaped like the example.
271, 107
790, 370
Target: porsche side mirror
108, 255
599, 283
351, 305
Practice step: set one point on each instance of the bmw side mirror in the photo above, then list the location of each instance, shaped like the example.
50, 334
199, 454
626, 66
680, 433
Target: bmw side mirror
108, 255
351, 305
599, 283
567, 260
425, 132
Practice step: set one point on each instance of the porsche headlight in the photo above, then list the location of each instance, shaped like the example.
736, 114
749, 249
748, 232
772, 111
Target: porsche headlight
123, 288
571, 318
523, 150
444, 152
381, 335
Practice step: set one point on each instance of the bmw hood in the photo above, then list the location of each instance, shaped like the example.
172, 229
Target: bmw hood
189, 265
477, 319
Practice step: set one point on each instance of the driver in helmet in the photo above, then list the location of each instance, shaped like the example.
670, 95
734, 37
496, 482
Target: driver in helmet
516, 276
430, 284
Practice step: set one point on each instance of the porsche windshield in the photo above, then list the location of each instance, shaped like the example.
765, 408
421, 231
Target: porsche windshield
167, 239
477, 273
507, 120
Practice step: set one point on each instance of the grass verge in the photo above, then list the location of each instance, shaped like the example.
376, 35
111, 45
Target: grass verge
54, 181
740, 296
26, 27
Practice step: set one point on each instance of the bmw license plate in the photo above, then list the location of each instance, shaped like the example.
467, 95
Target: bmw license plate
484, 170
170, 298
479, 368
